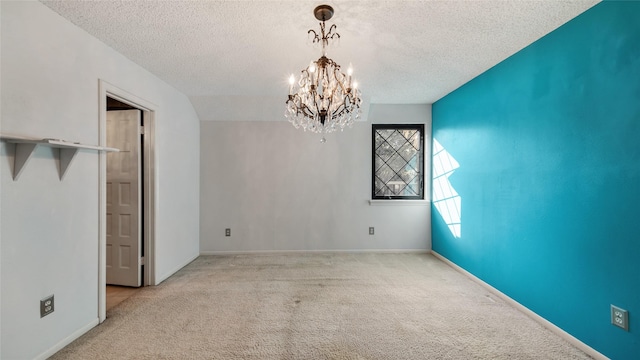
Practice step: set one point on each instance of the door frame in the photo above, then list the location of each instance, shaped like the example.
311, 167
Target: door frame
149, 188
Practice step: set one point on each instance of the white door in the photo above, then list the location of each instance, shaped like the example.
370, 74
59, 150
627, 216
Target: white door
123, 198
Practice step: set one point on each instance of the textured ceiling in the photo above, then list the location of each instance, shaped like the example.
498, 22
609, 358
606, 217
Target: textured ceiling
226, 54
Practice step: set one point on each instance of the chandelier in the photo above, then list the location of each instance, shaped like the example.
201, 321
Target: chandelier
323, 99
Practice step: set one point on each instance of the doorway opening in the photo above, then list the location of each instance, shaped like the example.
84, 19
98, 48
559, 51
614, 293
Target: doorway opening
125, 215
126, 196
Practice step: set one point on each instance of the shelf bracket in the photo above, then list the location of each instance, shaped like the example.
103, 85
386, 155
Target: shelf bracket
22, 155
66, 156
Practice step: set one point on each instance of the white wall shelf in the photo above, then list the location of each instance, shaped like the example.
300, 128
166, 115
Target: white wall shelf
67, 150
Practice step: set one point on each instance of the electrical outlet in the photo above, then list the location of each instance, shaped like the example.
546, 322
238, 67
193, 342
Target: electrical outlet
227, 232
372, 231
620, 317
46, 306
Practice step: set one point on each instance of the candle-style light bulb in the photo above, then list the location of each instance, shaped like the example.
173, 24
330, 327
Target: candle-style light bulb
349, 73
312, 72
292, 80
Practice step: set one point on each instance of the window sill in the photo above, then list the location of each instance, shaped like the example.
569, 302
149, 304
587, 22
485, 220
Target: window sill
399, 202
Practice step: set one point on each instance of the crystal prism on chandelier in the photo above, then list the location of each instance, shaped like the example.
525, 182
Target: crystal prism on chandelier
323, 99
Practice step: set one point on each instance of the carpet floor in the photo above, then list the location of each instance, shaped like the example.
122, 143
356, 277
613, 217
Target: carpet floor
318, 306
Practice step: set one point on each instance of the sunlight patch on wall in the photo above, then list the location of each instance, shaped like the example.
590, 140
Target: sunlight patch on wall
445, 198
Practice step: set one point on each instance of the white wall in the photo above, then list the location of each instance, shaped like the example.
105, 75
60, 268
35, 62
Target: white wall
49, 234
280, 189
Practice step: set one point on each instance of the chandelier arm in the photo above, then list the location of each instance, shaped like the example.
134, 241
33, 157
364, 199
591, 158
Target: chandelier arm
347, 101
307, 112
297, 102
315, 102
329, 112
316, 38
304, 76
337, 71
342, 110
331, 34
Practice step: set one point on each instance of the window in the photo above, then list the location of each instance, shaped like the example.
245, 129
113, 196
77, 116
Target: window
398, 161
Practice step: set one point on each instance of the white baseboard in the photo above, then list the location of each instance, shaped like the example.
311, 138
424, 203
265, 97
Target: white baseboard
544, 322
354, 251
175, 270
68, 340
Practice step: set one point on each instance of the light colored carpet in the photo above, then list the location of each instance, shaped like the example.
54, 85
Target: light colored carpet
318, 306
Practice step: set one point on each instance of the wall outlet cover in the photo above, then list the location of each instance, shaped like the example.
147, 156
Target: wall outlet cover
46, 306
620, 317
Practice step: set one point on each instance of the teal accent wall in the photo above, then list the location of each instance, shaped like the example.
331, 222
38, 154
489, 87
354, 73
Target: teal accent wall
548, 143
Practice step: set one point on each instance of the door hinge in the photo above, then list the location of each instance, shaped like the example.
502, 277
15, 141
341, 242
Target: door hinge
142, 260
142, 130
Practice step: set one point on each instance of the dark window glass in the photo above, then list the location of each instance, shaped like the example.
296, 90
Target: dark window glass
398, 161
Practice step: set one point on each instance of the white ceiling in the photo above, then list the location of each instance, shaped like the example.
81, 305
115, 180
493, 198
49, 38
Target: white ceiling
225, 55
